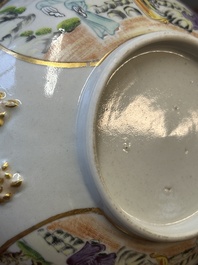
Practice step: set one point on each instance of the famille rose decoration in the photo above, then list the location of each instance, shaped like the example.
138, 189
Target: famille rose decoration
84, 236
83, 32
80, 81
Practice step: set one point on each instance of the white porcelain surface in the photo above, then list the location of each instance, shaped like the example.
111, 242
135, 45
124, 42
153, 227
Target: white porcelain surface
56, 55
140, 141
37, 139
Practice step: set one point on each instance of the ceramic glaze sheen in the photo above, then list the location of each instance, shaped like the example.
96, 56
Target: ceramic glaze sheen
147, 137
56, 57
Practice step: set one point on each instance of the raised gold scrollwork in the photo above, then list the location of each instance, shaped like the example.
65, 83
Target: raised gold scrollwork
8, 182
4, 105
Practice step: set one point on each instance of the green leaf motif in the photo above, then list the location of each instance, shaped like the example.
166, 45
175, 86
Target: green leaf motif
20, 10
31, 253
69, 25
13, 9
27, 33
43, 31
8, 9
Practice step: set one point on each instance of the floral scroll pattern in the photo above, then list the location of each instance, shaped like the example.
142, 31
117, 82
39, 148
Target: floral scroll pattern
83, 237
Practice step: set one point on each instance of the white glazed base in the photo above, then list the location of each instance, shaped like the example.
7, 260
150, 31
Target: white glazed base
147, 137
142, 153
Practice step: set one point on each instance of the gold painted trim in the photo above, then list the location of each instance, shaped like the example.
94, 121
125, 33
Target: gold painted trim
145, 6
11, 241
33, 60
